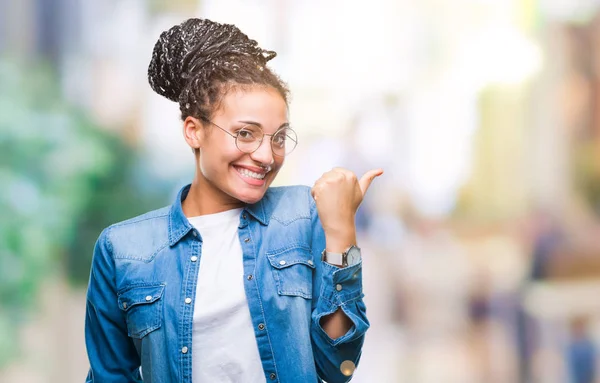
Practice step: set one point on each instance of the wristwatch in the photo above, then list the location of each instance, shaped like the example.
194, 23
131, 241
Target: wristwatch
351, 256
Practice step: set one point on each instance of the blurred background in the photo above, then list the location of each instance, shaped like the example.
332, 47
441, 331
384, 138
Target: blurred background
481, 241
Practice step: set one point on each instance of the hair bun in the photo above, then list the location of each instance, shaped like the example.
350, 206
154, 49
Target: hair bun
186, 49
164, 71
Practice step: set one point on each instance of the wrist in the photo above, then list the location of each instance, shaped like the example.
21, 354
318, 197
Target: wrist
338, 243
339, 237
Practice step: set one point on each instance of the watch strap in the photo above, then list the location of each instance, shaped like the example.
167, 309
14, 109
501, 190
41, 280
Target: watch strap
333, 258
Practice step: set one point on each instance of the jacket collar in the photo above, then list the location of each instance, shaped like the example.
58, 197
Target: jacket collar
179, 226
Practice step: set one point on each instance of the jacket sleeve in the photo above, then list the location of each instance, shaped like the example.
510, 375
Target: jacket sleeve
112, 354
336, 288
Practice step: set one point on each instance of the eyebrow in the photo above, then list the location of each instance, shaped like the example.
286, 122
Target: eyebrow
285, 124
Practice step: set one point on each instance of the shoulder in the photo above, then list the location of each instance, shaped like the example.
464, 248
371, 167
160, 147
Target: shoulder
294, 192
146, 219
287, 203
297, 194
143, 234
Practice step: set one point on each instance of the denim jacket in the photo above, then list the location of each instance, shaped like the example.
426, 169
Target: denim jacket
143, 269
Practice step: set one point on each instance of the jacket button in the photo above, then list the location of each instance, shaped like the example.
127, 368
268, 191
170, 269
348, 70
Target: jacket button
188, 300
244, 216
193, 258
272, 376
338, 287
261, 326
246, 240
124, 305
194, 233
249, 277
282, 263
184, 350
347, 367
149, 297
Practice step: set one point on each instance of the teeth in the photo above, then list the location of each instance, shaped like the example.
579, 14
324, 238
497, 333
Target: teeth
248, 173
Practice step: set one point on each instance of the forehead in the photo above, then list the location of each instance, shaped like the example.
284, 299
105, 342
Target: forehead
261, 104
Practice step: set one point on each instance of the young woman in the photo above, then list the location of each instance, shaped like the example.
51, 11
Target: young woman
235, 281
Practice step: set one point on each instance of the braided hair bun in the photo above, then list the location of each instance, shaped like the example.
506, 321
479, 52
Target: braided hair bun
193, 61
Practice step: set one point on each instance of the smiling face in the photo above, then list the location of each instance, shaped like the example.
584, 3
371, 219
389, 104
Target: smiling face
226, 176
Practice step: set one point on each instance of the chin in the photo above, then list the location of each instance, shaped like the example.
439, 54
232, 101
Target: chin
249, 198
249, 194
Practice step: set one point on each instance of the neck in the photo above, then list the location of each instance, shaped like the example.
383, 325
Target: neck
203, 198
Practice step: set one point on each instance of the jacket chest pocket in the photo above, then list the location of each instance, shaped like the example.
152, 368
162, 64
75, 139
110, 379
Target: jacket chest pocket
293, 271
143, 307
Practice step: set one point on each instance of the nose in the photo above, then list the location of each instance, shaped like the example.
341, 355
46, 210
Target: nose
264, 153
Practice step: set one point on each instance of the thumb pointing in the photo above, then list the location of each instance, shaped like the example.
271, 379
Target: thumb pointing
367, 178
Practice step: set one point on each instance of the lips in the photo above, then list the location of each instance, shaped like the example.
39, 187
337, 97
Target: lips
253, 175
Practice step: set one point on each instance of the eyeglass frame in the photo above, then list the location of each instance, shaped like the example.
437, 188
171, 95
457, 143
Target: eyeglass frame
235, 136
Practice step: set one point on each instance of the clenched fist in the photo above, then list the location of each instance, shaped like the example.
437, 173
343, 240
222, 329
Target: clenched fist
338, 194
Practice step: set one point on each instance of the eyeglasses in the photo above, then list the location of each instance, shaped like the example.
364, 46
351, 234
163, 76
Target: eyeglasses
249, 138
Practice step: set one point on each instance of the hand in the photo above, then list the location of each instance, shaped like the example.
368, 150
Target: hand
338, 194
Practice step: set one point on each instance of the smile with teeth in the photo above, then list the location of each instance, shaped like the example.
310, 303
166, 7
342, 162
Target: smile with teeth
247, 173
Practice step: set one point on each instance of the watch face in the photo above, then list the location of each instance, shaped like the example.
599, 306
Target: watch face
353, 255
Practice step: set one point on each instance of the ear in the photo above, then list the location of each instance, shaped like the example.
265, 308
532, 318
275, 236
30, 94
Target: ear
193, 132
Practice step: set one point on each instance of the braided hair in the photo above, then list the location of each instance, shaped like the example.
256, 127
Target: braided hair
197, 62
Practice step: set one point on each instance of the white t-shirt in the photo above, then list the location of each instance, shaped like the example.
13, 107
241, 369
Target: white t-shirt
224, 346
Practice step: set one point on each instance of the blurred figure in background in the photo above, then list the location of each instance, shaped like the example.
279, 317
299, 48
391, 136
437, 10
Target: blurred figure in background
582, 357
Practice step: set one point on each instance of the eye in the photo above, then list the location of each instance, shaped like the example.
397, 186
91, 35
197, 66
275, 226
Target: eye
246, 134
279, 138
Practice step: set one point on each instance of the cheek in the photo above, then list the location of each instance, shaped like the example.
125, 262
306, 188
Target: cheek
216, 164
278, 162
278, 165
208, 165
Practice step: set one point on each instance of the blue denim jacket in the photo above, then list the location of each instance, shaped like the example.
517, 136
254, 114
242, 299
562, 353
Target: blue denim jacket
144, 269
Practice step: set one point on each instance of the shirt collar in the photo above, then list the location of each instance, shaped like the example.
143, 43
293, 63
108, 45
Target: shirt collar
179, 225
259, 210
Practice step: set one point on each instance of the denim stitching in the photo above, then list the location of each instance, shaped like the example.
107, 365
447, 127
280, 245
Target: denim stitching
145, 260
285, 249
288, 222
262, 310
140, 219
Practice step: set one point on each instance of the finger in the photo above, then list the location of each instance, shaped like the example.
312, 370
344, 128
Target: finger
343, 171
332, 176
367, 178
315, 190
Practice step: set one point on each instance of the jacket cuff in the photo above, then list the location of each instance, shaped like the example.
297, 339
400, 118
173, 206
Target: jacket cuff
341, 285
